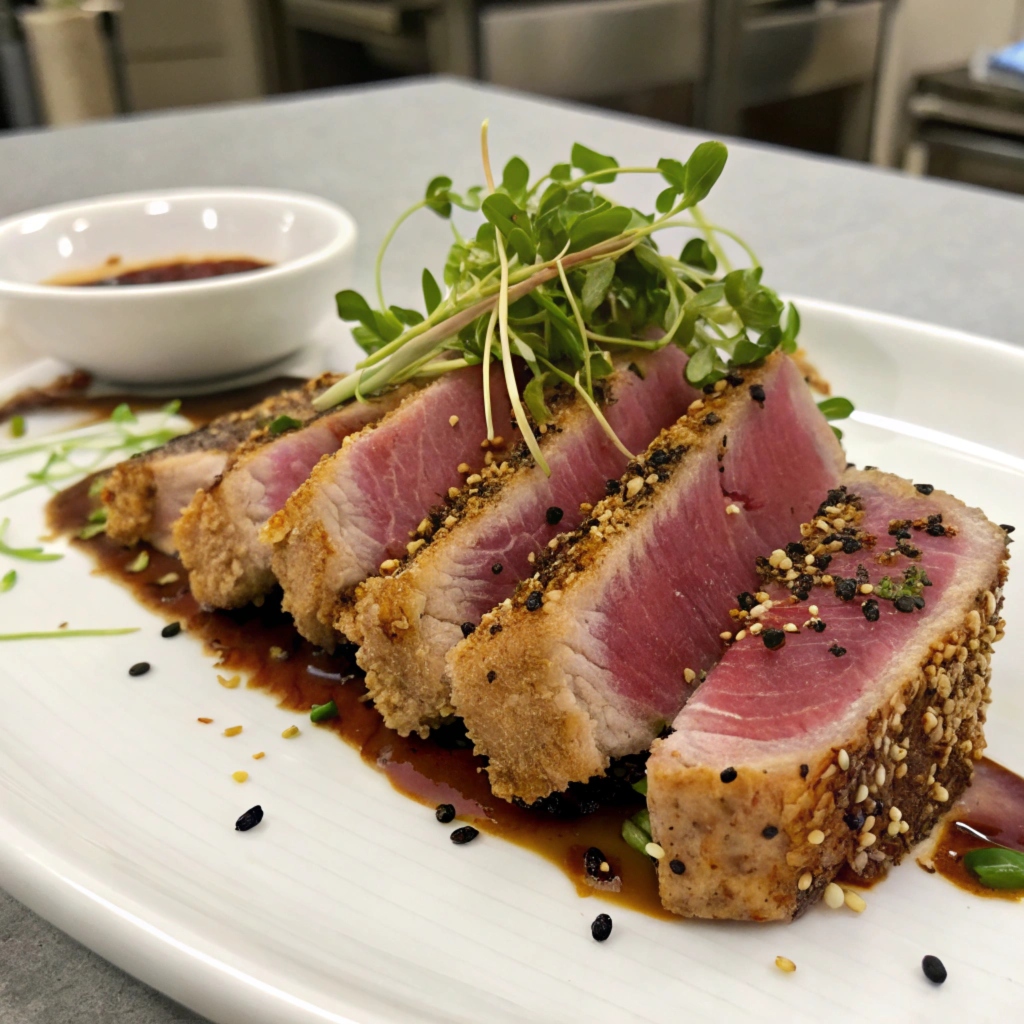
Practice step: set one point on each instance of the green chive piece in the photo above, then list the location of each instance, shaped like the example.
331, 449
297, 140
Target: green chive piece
8, 581
322, 712
56, 634
98, 515
635, 837
28, 554
996, 867
139, 564
17, 426
641, 786
96, 487
284, 423
642, 820
90, 531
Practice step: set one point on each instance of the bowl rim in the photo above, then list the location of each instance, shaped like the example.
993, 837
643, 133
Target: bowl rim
345, 237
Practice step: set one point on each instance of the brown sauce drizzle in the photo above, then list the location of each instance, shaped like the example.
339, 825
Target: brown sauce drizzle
994, 806
437, 770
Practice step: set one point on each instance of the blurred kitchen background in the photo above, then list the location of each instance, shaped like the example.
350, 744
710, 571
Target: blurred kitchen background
931, 86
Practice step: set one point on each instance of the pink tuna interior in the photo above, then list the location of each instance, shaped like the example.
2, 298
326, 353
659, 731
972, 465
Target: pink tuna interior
664, 612
801, 688
406, 465
281, 466
581, 461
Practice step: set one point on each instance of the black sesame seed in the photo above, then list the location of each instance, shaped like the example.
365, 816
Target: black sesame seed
1007, 528
734, 379
801, 595
904, 603
746, 600
769, 831
773, 639
757, 394
804, 769
496, 568
935, 530
854, 820
534, 600
171, 629
139, 669
846, 589
712, 418
250, 819
592, 861
728, 775
463, 835
496, 628
612, 487
818, 626
708, 389
795, 550
677, 867
836, 651
934, 969
554, 515
601, 928
850, 545
870, 610
804, 581
491, 676
658, 457
924, 488
445, 813
468, 628
919, 602
822, 562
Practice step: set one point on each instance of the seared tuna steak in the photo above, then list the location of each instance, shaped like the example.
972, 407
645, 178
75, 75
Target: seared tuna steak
599, 650
477, 548
360, 507
839, 726
217, 535
145, 495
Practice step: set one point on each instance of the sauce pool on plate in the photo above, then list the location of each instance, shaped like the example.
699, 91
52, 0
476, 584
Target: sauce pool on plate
158, 272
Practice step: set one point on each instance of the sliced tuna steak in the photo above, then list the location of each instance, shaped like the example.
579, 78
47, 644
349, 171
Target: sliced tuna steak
145, 495
479, 546
845, 743
360, 507
597, 652
217, 535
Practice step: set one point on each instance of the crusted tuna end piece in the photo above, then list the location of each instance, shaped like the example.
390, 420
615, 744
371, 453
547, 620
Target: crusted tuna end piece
360, 507
145, 495
845, 743
481, 544
600, 649
217, 535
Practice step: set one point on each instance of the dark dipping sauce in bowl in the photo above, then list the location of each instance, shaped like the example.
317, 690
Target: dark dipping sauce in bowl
168, 272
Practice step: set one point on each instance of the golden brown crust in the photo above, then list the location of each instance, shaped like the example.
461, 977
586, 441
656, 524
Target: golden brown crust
129, 495
530, 719
915, 754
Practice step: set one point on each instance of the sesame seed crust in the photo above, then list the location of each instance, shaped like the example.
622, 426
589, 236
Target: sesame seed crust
864, 802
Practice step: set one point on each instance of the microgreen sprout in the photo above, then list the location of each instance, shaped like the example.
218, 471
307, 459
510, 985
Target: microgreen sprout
55, 634
562, 277
73, 454
28, 554
8, 581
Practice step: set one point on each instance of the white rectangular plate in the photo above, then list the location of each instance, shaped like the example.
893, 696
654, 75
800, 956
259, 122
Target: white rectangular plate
349, 902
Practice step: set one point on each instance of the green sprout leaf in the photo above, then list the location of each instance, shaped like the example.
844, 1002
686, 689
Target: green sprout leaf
590, 162
561, 172
516, 177
140, 563
533, 396
641, 786
282, 424
703, 170
323, 712
697, 253
596, 283
17, 426
123, 414
836, 408
996, 867
790, 332
8, 581
635, 837
61, 634
28, 554
431, 292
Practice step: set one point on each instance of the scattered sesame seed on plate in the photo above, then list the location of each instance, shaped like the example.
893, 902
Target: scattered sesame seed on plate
834, 896
233, 730
231, 683
785, 964
240, 776
292, 730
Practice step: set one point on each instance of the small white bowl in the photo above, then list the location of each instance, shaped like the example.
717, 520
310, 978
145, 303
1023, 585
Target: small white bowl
177, 331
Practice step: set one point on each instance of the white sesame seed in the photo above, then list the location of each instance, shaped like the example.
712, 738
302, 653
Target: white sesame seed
929, 721
464, 467
808, 559
895, 814
786, 564
414, 545
695, 406
473, 478
655, 851
854, 901
389, 564
634, 486
940, 793
869, 823
725, 636
776, 556
720, 386
652, 479
757, 611
816, 837
756, 628
829, 772
904, 827
785, 964
867, 588
741, 634
531, 557
762, 597
893, 828
805, 881
689, 675
834, 896
843, 760
791, 627
867, 839
605, 867
732, 510
453, 420
880, 775
861, 795
813, 611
